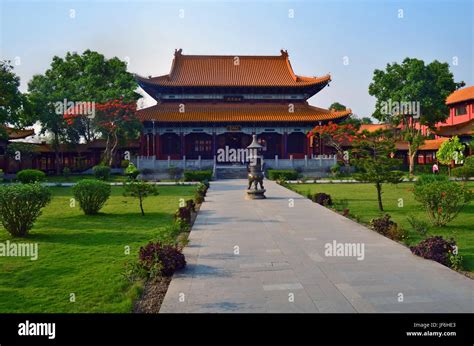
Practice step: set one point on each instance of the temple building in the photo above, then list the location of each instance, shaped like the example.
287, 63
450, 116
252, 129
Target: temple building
210, 102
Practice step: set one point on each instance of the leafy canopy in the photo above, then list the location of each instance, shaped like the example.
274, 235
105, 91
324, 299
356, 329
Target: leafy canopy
449, 151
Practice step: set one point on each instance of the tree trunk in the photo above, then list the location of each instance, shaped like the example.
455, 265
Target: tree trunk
411, 160
56, 154
112, 150
141, 204
106, 158
379, 195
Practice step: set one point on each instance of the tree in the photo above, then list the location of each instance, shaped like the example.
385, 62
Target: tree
336, 106
449, 151
336, 136
140, 189
366, 121
13, 105
93, 78
116, 121
412, 94
372, 155
73, 81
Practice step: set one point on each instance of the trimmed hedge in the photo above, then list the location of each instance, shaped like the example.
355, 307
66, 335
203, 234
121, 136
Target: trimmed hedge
20, 206
197, 175
282, 174
91, 194
101, 172
28, 176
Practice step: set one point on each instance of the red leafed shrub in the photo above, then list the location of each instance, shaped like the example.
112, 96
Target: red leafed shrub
435, 248
322, 198
161, 259
183, 213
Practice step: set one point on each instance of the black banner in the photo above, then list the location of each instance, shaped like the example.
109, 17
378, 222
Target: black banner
194, 329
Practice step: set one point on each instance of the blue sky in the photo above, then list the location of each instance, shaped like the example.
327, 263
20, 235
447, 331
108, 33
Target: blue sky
318, 38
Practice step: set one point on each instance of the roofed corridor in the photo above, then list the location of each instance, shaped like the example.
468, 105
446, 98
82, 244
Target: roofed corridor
265, 256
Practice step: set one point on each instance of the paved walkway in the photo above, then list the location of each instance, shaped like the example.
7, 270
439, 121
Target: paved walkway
265, 256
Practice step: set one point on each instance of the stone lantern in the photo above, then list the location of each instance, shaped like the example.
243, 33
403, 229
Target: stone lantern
255, 172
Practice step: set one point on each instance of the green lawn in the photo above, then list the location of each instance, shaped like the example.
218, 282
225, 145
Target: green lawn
83, 254
362, 201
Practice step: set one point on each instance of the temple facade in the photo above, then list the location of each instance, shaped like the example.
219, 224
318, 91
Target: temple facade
207, 104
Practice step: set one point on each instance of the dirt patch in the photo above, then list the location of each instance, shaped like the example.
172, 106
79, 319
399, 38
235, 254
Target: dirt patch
153, 295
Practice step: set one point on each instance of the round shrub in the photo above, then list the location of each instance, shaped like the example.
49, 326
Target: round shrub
20, 206
132, 171
161, 259
101, 172
435, 248
28, 176
91, 195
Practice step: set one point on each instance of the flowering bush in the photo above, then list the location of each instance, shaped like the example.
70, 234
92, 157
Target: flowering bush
161, 259
435, 248
442, 200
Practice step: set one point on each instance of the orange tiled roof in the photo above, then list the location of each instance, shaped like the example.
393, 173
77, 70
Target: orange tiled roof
373, 127
18, 134
464, 128
222, 70
232, 112
430, 144
460, 95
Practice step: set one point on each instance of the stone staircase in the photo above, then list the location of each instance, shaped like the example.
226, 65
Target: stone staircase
230, 172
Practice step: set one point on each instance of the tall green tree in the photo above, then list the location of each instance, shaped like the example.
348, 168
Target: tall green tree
78, 79
413, 94
13, 105
337, 106
372, 155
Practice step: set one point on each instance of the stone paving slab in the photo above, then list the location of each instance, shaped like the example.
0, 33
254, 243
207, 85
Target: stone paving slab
266, 256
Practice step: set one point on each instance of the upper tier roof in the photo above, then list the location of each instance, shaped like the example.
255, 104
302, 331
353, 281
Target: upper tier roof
461, 95
236, 71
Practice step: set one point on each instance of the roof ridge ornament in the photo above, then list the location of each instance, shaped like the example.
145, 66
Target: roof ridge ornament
284, 53
178, 52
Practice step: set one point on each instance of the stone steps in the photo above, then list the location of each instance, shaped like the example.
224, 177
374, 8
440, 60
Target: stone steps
231, 172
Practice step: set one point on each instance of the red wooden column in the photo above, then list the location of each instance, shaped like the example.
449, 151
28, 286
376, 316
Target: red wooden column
183, 149
142, 151
285, 145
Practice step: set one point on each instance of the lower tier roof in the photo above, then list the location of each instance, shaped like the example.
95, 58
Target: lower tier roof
237, 112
